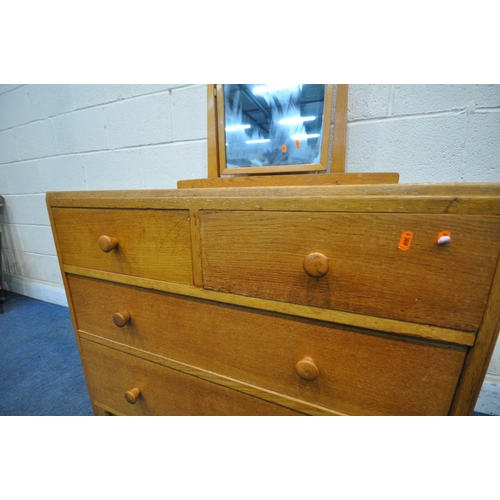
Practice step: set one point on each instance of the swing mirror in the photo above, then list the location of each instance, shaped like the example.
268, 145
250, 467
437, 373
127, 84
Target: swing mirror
265, 129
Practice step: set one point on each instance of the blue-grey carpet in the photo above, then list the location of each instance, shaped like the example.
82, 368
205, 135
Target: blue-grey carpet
40, 368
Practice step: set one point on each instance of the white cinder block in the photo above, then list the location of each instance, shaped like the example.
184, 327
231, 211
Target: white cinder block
62, 173
36, 140
4, 186
413, 99
49, 100
166, 164
189, 113
26, 209
81, 131
11, 263
368, 101
23, 177
11, 237
8, 147
38, 209
482, 150
37, 239
4, 87
93, 95
31, 266
14, 108
487, 96
140, 121
51, 269
114, 170
86, 95
137, 90
421, 149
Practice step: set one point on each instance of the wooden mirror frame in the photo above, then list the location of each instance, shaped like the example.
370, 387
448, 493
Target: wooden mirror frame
216, 137
242, 177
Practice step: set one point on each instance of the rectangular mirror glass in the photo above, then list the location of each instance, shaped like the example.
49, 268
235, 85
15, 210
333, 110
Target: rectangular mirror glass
273, 128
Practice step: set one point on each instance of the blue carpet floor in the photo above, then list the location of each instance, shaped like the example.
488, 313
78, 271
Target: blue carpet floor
40, 368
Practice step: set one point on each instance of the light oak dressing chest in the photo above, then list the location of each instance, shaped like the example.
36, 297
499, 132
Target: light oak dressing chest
320, 300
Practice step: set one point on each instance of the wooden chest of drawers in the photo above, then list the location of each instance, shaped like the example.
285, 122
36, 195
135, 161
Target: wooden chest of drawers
341, 300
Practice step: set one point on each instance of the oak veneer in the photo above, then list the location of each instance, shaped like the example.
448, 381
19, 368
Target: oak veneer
262, 254
219, 301
154, 244
161, 390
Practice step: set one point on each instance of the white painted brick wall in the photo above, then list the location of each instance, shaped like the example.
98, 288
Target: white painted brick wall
119, 169
78, 137
81, 131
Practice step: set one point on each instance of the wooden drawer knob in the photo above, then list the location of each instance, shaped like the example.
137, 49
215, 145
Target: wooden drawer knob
107, 243
307, 369
316, 265
120, 319
132, 395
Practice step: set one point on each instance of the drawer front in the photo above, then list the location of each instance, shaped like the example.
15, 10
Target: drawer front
357, 373
149, 243
361, 263
114, 377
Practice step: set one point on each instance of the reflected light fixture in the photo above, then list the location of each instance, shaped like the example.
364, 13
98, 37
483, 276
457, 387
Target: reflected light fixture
257, 141
266, 89
294, 120
234, 128
300, 137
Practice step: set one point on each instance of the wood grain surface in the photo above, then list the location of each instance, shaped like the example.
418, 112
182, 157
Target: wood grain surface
163, 391
150, 243
204, 305
262, 254
357, 370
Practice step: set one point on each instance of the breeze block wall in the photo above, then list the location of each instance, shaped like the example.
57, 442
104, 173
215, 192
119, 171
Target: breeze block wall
78, 137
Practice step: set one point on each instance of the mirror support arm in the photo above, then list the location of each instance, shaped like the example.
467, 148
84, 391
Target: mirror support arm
337, 164
212, 124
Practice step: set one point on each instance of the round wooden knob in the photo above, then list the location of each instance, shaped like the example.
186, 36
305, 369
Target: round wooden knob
107, 243
316, 265
307, 369
132, 395
120, 319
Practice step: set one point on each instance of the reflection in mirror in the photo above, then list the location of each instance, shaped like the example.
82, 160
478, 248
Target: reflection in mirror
273, 125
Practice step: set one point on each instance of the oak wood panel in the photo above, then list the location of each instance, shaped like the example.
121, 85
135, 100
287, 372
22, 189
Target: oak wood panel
293, 180
212, 136
151, 243
450, 190
359, 373
163, 391
194, 217
483, 199
332, 316
261, 255
273, 397
340, 130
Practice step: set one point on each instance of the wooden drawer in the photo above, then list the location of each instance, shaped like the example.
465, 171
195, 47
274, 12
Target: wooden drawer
150, 243
359, 372
262, 254
163, 391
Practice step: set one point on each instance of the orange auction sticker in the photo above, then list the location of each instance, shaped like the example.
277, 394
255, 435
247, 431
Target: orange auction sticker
405, 241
